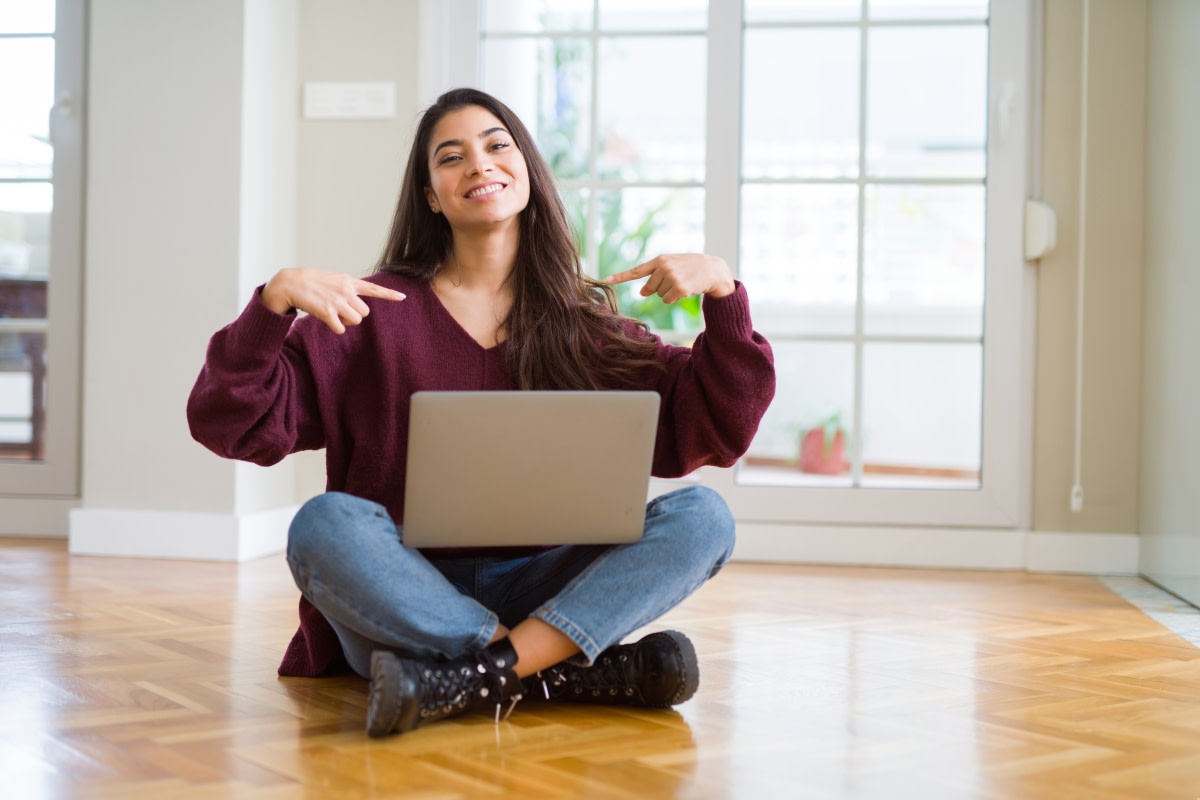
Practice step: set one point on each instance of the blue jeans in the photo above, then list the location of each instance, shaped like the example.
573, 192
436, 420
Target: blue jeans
348, 559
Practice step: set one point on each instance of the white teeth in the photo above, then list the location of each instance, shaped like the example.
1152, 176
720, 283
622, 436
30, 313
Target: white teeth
495, 187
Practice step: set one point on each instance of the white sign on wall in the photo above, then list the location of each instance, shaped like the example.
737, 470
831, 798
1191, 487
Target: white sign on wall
359, 100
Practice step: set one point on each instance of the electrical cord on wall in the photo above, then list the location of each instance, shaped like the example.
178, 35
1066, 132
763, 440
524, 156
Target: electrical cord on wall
1077, 486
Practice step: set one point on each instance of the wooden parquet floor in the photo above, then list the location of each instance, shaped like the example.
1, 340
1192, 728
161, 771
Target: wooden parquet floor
152, 679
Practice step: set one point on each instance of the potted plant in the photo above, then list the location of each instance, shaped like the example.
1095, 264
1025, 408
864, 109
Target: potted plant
823, 447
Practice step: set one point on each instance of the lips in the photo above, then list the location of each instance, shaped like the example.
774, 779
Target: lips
483, 191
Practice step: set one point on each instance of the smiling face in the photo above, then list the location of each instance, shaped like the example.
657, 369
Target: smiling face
477, 175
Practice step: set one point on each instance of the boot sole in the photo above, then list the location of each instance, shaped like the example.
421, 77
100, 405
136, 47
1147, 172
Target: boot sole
686, 652
389, 680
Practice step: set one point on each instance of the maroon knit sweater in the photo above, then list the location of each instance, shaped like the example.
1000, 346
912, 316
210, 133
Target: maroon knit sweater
273, 384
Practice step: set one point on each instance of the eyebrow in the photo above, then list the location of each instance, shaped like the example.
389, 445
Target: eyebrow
458, 142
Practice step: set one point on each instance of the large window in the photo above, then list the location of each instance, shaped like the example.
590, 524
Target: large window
863, 196
861, 164
41, 66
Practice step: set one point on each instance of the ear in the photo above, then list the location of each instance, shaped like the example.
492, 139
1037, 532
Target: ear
432, 198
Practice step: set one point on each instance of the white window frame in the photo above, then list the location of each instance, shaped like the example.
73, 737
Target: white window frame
57, 475
1003, 500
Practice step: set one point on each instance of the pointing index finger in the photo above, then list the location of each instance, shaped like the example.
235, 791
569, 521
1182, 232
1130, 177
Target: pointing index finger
627, 275
367, 289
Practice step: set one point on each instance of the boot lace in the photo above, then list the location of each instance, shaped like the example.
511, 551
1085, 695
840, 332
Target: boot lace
452, 688
613, 675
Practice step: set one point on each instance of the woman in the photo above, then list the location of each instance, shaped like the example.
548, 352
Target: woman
480, 287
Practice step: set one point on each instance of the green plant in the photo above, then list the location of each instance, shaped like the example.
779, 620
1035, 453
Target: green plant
618, 248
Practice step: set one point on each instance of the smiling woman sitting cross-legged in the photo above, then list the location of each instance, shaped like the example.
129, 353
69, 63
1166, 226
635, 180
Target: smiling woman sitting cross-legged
480, 288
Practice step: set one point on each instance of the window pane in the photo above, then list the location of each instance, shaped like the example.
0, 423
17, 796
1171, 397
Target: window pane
636, 224
24, 267
927, 9
22, 381
798, 441
575, 201
802, 10
927, 102
646, 133
25, 229
800, 128
799, 257
536, 16
921, 414
26, 16
22, 391
923, 260
545, 81
26, 95
654, 15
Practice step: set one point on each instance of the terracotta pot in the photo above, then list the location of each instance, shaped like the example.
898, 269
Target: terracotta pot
822, 459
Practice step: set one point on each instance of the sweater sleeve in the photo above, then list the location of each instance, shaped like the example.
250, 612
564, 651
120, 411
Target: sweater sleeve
254, 399
715, 392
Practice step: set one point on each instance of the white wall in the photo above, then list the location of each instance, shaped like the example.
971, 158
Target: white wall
350, 170
1114, 268
191, 180
161, 253
1170, 485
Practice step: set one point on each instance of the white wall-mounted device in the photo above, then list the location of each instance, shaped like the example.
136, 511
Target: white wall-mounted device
1041, 229
361, 100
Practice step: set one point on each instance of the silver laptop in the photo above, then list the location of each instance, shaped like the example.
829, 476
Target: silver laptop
500, 469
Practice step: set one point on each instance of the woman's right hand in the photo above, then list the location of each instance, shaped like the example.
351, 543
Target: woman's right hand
332, 297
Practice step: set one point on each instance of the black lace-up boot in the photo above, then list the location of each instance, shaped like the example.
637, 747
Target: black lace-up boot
658, 671
406, 692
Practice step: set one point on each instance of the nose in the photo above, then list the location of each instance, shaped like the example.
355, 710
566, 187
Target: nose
479, 164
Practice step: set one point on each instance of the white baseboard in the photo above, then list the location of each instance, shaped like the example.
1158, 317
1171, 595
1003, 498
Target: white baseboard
229, 537
944, 548
179, 534
1091, 553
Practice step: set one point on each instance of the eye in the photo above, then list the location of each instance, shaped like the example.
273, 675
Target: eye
448, 157
499, 145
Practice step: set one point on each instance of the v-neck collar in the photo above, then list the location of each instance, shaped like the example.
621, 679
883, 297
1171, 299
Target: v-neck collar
437, 303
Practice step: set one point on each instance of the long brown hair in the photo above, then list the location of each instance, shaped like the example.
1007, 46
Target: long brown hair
563, 331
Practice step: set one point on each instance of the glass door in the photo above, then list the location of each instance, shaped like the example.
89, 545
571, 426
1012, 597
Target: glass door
881, 184
41, 71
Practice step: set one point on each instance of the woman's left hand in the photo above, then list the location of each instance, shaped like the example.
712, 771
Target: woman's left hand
674, 277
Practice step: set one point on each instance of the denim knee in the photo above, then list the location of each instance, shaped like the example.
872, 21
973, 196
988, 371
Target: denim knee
324, 520
706, 523
719, 526
310, 524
